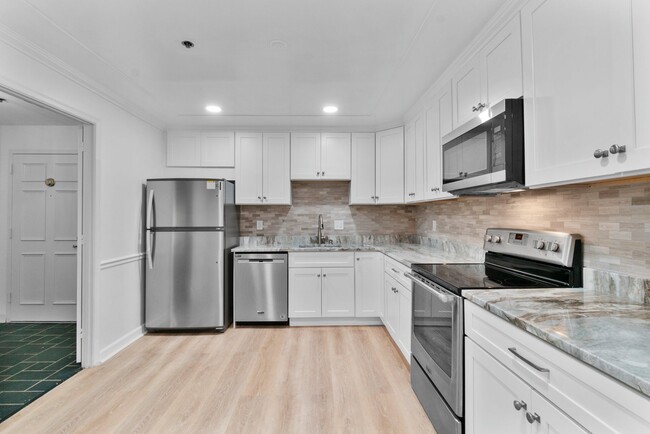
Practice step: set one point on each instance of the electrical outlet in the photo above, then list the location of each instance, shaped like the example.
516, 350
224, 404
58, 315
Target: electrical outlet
433, 225
260, 225
338, 225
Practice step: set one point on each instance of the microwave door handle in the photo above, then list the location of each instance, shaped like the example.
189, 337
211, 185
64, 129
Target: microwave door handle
445, 298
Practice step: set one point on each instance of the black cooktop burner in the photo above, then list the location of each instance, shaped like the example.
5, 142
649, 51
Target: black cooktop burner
456, 277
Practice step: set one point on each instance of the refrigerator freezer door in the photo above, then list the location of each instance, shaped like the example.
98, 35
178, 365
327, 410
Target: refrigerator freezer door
185, 203
185, 280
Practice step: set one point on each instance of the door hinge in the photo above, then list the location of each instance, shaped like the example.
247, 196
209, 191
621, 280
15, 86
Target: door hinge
81, 333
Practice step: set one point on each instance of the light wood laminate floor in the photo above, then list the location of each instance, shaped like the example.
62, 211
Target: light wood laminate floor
247, 380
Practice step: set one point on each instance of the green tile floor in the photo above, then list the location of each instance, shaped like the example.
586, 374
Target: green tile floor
34, 358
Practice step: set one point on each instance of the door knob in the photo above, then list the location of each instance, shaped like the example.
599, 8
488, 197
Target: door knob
617, 149
519, 405
74, 246
532, 418
599, 153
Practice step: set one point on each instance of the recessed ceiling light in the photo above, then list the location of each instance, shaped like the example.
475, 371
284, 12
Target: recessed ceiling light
213, 108
330, 109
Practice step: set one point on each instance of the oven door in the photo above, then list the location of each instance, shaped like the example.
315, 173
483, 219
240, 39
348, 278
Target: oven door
437, 338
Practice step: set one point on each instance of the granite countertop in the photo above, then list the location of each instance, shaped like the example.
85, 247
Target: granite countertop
605, 331
404, 253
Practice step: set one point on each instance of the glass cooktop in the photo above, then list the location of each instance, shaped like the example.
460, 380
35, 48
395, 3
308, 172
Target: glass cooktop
456, 277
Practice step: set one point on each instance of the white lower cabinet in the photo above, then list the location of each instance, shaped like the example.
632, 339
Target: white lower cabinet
368, 284
305, 292
508, 368
497, 401
397, 309
337, 286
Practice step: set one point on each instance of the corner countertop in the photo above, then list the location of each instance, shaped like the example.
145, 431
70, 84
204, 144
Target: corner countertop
404, 253
605, 331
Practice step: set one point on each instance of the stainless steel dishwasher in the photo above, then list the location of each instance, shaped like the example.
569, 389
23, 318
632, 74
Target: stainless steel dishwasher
261, 284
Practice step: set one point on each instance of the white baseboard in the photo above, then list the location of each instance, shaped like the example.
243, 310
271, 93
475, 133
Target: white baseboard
303, 322
121, 343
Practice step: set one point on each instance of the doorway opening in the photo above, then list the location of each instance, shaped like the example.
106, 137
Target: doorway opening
44, 248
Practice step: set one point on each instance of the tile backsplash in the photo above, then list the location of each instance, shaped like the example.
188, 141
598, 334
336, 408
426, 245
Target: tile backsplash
331, 199
613, 218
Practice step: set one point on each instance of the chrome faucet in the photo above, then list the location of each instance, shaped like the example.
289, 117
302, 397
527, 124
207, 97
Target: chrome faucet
320, 229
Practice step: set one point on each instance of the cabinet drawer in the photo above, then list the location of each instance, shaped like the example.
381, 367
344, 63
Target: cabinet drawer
396, 270
593, 399
321, 259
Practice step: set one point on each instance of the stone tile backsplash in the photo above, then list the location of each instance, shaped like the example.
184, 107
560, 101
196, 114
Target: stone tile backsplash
613, 218
331, 199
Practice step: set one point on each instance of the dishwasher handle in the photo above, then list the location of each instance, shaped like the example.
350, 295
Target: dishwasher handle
268, 261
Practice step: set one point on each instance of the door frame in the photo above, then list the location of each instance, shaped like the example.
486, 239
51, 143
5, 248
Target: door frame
87, 270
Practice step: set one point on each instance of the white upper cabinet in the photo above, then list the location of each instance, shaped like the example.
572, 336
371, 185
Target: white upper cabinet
276, 174
305, 156
335, 156
316, 156
638, 157
438, 122
414, 160
200, 149
467, 91
493, 74
362, 185
389, 150
262, 167
501, 65
579, 89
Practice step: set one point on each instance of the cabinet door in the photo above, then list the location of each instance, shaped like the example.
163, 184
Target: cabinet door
552, 419
183, 149
390, 166
277, 162
501, 64
578, 87
362, 184
368, 284
409, 162
391, 307
490, 393
638, 156
438, 121
338, 292
305, 156
249, 168
335, 156
218, 149
405, 321
304, 292
467, 91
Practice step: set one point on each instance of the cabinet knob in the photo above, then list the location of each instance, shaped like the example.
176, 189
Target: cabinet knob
617, 149
324, 275
357, 259
264, 197
318, 275
323, 173
474, 109
599, 153
317, 173
532, 418
519, 405
259, 197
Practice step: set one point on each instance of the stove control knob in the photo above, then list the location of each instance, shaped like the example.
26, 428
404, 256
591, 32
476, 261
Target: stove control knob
539, 245
554, 247
496, 239
488, 238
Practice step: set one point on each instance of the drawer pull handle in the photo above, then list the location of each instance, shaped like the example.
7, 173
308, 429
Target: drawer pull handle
395, 271
513, 350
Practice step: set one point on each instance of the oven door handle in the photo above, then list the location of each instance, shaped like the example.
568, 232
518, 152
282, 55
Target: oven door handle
445, 298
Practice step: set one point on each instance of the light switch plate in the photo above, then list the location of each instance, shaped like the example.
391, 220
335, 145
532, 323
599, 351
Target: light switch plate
433, 225
338, 225
260, 225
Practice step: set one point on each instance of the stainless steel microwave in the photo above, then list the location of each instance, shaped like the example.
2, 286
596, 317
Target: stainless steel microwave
486, 155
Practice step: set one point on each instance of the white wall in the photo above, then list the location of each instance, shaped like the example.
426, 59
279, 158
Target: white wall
23, 139
128, 150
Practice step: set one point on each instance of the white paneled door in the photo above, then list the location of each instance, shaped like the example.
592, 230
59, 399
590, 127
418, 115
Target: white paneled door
44, 238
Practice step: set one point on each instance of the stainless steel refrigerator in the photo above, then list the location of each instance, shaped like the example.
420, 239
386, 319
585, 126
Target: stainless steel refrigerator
191, 227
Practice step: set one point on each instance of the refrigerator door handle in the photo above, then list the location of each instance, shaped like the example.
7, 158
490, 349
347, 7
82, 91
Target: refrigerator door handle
149, 253
149, 209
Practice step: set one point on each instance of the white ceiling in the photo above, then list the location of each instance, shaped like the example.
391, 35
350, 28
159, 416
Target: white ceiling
15, 111
372, 58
